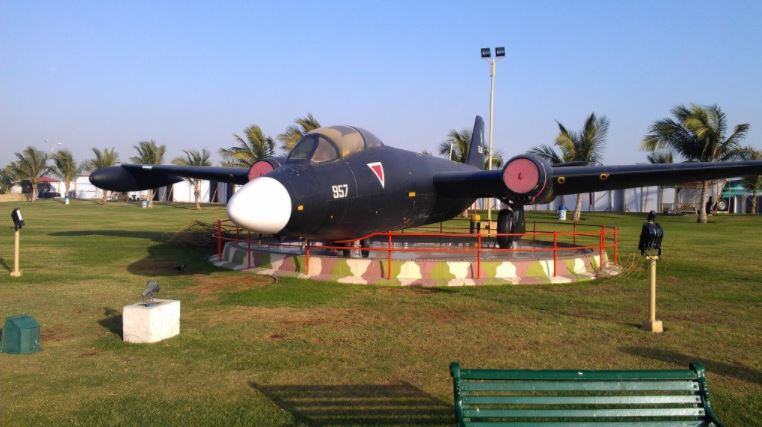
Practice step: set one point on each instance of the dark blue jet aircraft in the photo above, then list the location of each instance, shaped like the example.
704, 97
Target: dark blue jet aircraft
342, 182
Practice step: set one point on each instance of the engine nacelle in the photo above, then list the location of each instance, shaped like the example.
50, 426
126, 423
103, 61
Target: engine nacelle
528, 178
263, 167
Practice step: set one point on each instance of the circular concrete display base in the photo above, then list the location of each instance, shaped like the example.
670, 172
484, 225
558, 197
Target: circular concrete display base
410, 268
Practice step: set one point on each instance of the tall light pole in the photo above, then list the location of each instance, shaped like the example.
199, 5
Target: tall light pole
487, 56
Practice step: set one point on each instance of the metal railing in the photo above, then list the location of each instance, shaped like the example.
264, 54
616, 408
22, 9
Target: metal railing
599, 239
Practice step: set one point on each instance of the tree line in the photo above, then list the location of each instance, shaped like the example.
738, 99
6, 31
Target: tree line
693, 133
31, 164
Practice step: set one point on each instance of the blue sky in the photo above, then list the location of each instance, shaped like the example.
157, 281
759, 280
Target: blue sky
190, 74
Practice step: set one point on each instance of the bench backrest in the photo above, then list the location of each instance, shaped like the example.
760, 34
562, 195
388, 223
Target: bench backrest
487, 397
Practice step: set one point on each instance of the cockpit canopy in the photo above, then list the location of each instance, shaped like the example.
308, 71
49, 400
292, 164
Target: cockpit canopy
330, 143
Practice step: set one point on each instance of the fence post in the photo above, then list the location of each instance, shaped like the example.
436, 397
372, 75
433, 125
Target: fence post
616, 245
555, 251
307, 255
479, 256
601, 247
219, 240
389, 256
248, 250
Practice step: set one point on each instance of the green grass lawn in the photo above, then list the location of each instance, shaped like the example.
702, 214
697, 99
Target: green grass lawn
257, 352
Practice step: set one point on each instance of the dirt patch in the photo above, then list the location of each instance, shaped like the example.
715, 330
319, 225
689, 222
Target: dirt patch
442, 315
412, 290
52, 334
211, 284
152, 267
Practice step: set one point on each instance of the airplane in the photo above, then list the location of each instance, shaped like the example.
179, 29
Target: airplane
341, 182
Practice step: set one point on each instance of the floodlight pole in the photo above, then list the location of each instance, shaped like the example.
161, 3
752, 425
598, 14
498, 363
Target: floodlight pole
491, 122
16, 272
487, 56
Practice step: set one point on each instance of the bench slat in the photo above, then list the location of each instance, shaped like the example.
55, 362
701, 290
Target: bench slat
583, 400
588, 413
496, 374
590, 424
585, 386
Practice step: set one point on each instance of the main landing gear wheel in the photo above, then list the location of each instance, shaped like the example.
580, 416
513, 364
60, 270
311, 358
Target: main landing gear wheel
510, 221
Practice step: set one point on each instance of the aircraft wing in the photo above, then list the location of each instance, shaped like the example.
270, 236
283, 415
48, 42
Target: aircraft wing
124, 178
527, 179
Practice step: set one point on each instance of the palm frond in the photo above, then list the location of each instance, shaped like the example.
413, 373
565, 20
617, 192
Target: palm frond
659, 157
546, 152
149, 153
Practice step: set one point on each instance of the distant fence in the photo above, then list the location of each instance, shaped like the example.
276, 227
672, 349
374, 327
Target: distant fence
12, 197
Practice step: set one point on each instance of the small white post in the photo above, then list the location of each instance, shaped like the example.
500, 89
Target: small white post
16, 272
652, 324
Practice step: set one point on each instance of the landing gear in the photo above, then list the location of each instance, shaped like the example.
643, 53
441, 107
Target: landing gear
510, 221
345, 249
365, 243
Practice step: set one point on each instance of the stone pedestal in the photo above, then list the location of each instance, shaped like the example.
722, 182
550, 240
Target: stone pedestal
158, 321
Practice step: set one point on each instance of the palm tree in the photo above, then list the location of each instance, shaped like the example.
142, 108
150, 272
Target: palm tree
584, 146
65, 167
255, 146
6, 180
194, 158
457, 145
660, 157
103, 159
698, 134
31, 165
149, 153
295, 132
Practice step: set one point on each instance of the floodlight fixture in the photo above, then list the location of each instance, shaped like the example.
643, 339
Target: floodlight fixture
486, 52
499, 52
18, 220
651, 236
152, 287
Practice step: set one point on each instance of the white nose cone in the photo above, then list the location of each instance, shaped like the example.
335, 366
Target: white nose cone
262, 205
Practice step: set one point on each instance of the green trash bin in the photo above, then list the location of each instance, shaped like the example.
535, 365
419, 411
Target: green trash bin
21, 335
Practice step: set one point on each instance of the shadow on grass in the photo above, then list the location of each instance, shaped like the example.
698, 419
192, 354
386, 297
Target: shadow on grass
155, 236
112, 322
361, 404
712, 366
176, 254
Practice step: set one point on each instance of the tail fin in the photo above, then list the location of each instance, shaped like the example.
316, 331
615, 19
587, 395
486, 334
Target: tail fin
477, 152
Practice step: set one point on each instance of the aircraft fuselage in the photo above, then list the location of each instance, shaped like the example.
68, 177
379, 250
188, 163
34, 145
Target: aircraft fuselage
381, 188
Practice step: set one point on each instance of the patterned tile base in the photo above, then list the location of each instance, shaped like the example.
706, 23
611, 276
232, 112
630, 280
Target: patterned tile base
418, 272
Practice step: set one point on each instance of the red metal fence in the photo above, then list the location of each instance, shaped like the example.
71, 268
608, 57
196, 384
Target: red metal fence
599, 238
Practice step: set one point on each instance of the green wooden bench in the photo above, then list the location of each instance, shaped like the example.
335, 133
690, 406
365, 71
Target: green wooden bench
493, 397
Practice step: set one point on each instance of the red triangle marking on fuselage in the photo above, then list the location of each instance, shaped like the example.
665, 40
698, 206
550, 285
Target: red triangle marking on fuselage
378, 170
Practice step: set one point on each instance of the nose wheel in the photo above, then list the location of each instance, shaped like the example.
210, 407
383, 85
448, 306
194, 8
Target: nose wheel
510, 221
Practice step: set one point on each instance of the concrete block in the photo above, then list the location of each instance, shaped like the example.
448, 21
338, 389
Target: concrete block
151, 323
